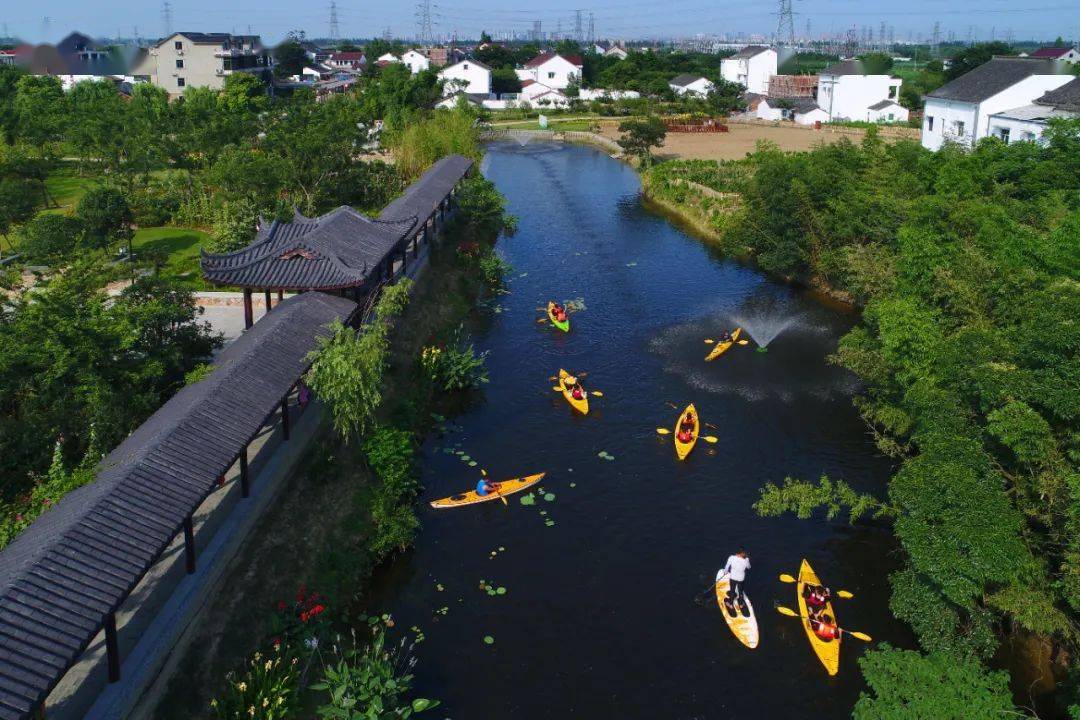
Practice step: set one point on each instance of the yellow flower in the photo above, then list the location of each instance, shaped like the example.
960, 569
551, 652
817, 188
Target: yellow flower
251, 711
258, 656
269, 664
241, 686
266, 702
280, 700
294, 660
213, 703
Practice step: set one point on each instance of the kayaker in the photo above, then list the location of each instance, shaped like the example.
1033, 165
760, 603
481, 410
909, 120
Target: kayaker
578, 392
736, 567
825, 629
685, 435
817, 598
485, 486
559, 312
725, 336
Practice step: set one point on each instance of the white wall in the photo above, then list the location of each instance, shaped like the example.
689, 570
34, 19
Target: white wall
976, 117
847, 97
899, 114
764, 112
476, 78
698, 87
752, 73
809, 118
557, 73
1019, 130
416, 62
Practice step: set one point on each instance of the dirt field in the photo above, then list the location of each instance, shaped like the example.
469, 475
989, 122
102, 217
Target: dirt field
743, 137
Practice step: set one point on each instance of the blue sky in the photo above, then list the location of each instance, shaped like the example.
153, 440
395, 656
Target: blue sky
630, 19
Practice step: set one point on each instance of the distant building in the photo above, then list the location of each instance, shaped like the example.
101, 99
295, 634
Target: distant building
416, 60
1029, 122
553, 70
386, 58
847, 89
1065, 54
469, 76
793, 86
800, 110
195, 59
887, 111
354, 60
960, 111
751, 67
691, 85
538, 94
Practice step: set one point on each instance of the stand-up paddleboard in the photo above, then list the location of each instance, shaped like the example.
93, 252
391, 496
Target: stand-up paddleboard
742, 623
503, 488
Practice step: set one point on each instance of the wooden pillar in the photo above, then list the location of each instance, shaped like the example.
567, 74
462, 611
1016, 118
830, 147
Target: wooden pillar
112, 648
280, 296
266, 299
285, 417
249, 315
416, 246
245, 482
404, 258
189, 545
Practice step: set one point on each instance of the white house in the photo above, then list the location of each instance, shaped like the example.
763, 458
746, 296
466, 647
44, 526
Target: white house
1028, 122
751, 67
553, 70
388, 58
617, 52
887, 111
959, 111
1065, 54
601, 94
417, 61
691, 85
800, 110
846, 90
469, 75
451, 100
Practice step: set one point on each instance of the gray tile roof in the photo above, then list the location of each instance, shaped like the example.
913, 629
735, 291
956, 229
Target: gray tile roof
800, 105
882, 104
748, 52
1066, 97
685, 79
846, 67
422, 198
80, 560
992, 77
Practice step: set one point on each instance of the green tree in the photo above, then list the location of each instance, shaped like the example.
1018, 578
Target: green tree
40, 109
18, 202
49, 238
639, 137
9, 85
907, 685
877, 63
96, 128
290, 56
105, 217
975, 55
147, 128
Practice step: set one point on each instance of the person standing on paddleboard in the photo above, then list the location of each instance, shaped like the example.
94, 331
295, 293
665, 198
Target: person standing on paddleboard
736, 568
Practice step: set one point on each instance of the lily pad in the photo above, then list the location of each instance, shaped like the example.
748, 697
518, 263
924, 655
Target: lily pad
488, 640
466, 458
472, 463
529, 499
573, 484
549, 522
549, 497
500, 590
502, 549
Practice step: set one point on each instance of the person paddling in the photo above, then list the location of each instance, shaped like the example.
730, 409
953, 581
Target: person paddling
578, 392
559, 312
686, 428
736, 567
485, 486
817, 598
825, 629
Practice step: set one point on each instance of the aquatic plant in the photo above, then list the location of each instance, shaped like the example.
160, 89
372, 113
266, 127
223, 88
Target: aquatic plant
265, 690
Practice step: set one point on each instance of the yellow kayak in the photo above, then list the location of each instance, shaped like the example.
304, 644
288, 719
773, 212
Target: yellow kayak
564, 325
683, 449
503, 488
722, 347
566, 384
828, 651
744, 626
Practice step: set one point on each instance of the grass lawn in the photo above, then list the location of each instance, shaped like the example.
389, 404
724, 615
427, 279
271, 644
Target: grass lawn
67, 188
180, 246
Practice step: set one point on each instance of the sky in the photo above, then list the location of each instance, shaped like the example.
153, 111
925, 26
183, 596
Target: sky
49, 20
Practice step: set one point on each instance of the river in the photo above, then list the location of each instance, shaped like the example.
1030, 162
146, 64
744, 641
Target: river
598, 617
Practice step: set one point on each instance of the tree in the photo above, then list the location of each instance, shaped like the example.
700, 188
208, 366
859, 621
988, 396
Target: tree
105, 217
639, 137
877, 63
18, 202
505, 80
290, 56
49, 238
9, 83
96, 122
40, 109
148, 123
975, 55
908, 685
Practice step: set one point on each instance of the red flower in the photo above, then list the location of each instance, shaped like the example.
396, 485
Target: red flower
277, 643
281, 606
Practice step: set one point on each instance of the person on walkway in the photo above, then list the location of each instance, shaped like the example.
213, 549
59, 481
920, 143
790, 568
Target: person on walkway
736, 568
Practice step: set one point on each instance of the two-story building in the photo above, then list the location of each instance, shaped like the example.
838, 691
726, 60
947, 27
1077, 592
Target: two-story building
847, 90
196, 59
960, 111
1029, 122
469, 76
751, 67
553, 70
416, 60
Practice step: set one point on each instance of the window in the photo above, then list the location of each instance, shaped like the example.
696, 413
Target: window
551, 76
930, 123
465, 66
179, 45
179, 63
1003, 133
959, 125
179, 82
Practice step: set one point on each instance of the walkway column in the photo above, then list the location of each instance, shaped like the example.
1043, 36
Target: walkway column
285, 417
280, 296
266, 299
249, 315
189, 545
245, 483
112, 648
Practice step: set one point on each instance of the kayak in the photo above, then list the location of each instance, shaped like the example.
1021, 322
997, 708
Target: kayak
564, 325
566, 384
828, 651
744, 625
683, 449
506, 487
722, 347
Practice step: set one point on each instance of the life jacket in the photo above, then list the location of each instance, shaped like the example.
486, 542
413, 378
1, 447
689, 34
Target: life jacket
826, 631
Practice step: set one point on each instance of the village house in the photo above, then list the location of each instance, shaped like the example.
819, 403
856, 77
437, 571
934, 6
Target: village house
538, 94
800, 110
416, 60
1065, 54
691, 85
887, 111
960, 111
469, 76
847, 89
1029, 122
353, 60
196, 59
553, 70
751, 67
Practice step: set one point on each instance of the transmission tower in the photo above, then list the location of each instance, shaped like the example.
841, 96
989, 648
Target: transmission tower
166, 17
335, 30
935, 42
882, 37
577, 26
785, 23
592, 28
423, 20
851, 44
46, 27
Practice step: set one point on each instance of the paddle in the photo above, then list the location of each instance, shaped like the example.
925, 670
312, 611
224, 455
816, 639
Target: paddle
496, 488
839, 593
710, 341
707, 438
791, 613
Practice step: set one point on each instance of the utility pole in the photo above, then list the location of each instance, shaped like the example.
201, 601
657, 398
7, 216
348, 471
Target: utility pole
785, 23
423, 20
166, 17
935, 43
335, 30
592, 27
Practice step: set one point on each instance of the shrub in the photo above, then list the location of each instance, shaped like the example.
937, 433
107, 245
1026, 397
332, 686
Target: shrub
389, 453
49, 238
105, 216
265, 690
234, 226
455, 366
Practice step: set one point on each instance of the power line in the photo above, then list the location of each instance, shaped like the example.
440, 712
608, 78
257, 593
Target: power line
335, 30
423, 20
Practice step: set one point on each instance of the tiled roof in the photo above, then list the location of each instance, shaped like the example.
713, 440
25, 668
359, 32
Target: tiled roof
882, 104
1066, 97
748, 52
992, 77
1051, 53
80, 560
422, 198
685, 79
846, 67
549, 55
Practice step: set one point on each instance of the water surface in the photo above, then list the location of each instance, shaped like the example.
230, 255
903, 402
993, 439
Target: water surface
598, 619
